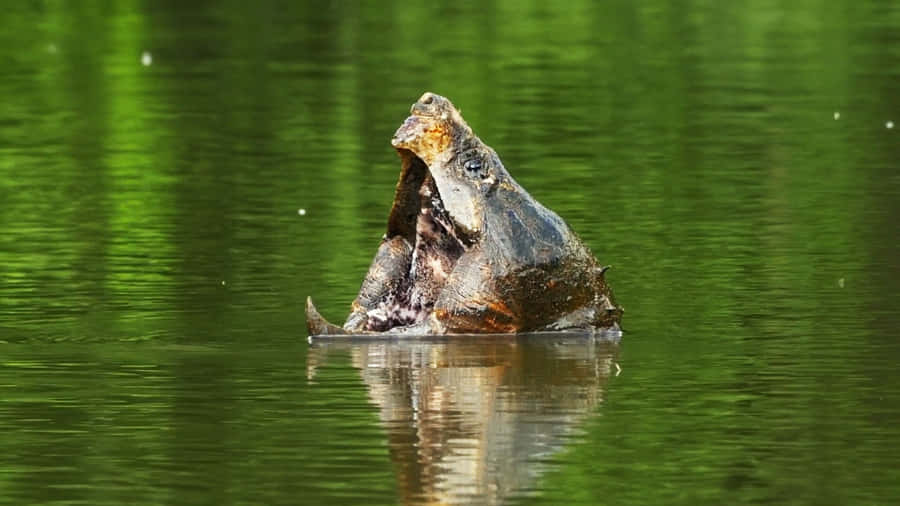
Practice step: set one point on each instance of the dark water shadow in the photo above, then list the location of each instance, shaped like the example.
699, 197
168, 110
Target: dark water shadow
476, 419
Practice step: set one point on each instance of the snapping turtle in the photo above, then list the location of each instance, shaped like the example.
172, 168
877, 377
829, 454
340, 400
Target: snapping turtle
468, 250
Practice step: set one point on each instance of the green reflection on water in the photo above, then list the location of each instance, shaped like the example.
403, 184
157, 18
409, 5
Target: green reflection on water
692, 146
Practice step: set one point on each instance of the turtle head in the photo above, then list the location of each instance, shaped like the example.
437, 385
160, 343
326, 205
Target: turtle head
463, 168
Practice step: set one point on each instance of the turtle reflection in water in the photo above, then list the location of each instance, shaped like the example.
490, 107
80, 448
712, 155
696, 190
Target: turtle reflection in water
477, 419
468, 250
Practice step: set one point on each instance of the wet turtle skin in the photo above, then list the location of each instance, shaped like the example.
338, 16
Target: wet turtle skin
468, 250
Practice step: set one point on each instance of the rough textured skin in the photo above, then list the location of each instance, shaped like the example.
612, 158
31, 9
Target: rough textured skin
521, 268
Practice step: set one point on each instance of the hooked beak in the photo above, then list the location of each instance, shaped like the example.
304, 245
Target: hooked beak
409, 131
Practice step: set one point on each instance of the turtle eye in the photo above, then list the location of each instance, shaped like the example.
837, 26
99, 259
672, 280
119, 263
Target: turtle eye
473, 165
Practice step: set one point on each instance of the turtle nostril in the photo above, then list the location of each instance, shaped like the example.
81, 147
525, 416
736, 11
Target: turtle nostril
427, 99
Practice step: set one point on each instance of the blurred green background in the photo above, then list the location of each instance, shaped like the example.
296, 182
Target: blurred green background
732, 161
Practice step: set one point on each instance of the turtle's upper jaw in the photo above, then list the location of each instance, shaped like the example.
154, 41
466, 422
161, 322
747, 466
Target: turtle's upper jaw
435, 135
434, 129
429, 137
424, 137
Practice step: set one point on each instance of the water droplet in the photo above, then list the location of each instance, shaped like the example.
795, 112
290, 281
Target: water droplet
841, 282
146, 59
837, 115
301, 212
889, 125
52, 49
223, 282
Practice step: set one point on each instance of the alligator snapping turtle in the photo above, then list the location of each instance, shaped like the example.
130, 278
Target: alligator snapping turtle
468, 250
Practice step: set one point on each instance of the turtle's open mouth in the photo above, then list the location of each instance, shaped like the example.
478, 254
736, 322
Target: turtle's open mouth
420, 217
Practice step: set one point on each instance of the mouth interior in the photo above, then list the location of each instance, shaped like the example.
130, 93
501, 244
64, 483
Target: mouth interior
420, 216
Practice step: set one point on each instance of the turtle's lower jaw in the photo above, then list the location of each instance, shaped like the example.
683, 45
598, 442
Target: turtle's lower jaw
435, 248
413, 263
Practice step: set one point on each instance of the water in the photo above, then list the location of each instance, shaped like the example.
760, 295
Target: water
162, 220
